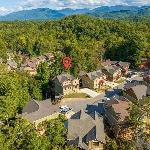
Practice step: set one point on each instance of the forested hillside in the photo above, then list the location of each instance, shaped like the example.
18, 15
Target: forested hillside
115, 12
87, 40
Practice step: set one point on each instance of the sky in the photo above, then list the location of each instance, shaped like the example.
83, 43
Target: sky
8, 6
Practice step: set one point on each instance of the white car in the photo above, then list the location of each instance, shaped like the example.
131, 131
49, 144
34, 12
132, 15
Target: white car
64, 109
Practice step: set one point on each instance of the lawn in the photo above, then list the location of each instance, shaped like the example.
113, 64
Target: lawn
120, 81
77, 95
103, 89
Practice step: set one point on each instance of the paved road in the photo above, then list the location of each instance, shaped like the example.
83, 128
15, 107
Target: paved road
89, 92
78, 104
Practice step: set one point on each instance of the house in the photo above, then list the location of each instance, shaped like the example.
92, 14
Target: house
136, 93
65, 84
115, 69
49, 56
124, 67
86, 132
112, 72
31, 65
146, 76
133, 83
39, 111
12, 65
116, 113
145, 64
92, 80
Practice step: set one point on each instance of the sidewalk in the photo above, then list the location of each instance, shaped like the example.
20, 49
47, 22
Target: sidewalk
89, 92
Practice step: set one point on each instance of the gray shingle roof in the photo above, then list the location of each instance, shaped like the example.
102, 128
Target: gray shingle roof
36, 110
139, 91
95, 74
111, 69
85, 128
31, 107
123, 64
64, 77
117, 109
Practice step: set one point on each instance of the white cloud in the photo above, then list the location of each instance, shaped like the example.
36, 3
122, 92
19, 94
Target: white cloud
4, 11
58, 4
137, 2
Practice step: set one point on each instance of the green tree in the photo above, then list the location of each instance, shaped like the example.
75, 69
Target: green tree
56, 132
20, 134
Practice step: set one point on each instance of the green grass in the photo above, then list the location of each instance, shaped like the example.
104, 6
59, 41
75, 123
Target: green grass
106, 87
120, 81
77, 95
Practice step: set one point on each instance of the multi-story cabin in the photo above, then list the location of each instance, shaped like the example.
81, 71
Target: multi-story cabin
146, 76
145, 64
116, 113
65, 84
112, 72
124, 67
86, 132
92, 80
31, 65
115, 69
136, 92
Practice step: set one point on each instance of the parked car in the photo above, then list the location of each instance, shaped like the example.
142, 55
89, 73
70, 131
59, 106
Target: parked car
64, 109
105, 99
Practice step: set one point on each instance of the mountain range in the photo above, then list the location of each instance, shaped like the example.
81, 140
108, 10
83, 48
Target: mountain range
103, 12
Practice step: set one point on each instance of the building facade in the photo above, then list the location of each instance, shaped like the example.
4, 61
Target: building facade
65, 84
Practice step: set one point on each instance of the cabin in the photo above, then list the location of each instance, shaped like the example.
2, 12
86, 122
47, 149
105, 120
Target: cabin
86, 132
136, 93
116, 113
92, 80
65, 84
113, 72
146, 76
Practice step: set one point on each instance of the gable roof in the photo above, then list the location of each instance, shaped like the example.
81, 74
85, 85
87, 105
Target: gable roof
85, 128
81, 73
64, 77
95, 74
31, 107
36, 110
133, 83
123, 64
139, 91
111, 69
119, 106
